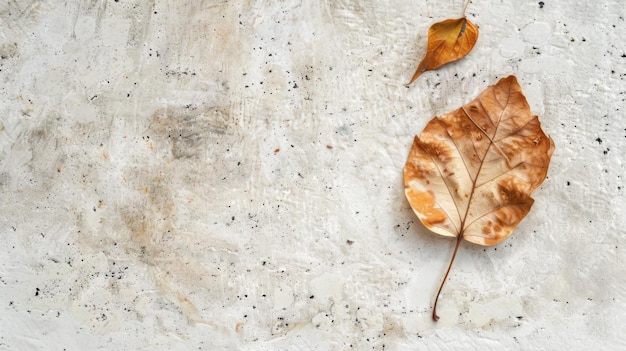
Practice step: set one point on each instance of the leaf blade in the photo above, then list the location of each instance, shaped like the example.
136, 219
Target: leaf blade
478, 166
448, 41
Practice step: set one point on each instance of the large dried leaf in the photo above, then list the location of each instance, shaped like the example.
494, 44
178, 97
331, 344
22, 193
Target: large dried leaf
471, 172
448, 41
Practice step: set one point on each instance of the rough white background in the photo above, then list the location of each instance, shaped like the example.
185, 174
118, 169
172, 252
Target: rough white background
227, 175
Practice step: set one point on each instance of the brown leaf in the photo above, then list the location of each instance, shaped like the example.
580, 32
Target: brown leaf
471, 172
448, 41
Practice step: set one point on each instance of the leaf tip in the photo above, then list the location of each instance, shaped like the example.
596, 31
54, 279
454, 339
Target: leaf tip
417, 73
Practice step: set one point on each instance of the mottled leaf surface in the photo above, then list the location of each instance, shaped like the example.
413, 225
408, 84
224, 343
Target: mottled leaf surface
471, 172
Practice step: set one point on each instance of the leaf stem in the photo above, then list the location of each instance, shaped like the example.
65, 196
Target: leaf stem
445, 277
465, 8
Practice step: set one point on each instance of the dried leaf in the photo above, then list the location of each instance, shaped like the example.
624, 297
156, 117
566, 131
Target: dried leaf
448, 41
471, 172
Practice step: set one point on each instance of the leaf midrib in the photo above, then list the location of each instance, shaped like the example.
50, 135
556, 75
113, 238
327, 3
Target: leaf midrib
482, 160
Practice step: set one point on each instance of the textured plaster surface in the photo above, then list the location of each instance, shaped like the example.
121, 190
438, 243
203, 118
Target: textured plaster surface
228, 175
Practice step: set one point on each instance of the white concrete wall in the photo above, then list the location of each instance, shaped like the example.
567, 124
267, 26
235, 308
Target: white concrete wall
227, 175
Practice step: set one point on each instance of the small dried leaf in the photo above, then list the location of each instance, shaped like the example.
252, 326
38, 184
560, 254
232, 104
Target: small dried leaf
448, 41
471, 172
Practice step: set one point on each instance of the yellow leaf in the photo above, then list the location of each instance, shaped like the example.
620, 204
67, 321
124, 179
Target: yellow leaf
448, 41
471, 172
